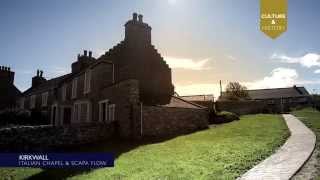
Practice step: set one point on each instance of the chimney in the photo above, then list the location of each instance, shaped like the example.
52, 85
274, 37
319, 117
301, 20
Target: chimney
85, 52
6, 76
137, 32
140, 18
90, 54
38, 79
134, 16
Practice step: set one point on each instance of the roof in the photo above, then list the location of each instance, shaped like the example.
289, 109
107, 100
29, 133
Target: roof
278, 93
198, 98
55, 82
49, 84
180, 103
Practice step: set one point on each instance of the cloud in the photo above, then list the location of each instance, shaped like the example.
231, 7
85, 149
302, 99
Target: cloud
317, 71
182, 63
198, 89
231, 57
308, 60
279, 77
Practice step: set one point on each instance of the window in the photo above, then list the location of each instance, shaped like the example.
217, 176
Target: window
44, 99
81, 112
87, 81
270, 101
21, 105
112, 108
64, 92
74, 88
103, 111
33, 101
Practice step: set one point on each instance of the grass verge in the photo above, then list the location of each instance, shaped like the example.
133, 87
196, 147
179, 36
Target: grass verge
222, 152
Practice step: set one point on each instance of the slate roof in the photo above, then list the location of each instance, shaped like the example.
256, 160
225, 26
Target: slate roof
198, 98
49, 84
278, 93
181, 103
55, 82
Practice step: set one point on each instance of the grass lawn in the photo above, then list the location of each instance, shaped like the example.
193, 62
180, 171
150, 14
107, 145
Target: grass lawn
222, 152
311, 118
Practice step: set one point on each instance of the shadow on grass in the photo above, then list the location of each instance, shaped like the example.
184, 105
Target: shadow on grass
115, 145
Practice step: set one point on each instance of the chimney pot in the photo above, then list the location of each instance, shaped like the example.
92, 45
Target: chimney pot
85, 52
9, 69
41, 73
90, 54
38, 73
134, 16
140, 18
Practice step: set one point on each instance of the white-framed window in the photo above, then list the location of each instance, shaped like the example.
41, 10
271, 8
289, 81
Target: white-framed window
112, 109
64, 93
33, 101
74, 88
87, 81
21, 103
103, 110
81, 112
44, 99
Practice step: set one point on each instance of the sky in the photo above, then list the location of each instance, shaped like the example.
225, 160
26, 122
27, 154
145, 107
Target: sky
203, 41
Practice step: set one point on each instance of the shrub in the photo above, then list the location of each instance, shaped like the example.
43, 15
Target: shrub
224, 117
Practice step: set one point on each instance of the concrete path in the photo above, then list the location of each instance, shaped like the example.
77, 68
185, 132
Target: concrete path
289, 158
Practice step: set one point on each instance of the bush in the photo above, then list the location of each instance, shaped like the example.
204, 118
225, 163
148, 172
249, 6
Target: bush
224, 117
20, 118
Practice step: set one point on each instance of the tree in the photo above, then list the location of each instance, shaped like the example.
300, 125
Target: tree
236, 91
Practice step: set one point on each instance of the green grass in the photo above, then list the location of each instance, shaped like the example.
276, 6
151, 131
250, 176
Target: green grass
222, 152
311, 118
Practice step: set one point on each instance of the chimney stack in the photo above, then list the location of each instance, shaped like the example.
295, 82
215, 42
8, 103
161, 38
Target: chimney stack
90, 54
85, 52
134, 16
140, 18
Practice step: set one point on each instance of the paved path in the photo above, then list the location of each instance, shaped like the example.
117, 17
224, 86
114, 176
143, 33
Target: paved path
289, 158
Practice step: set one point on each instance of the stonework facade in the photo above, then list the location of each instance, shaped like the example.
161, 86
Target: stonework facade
8, 91
115, 88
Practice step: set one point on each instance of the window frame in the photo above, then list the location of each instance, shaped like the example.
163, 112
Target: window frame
33, 99
44, 99
76, 116
111, 112
87, 81
106, 101
74, 88
64, 92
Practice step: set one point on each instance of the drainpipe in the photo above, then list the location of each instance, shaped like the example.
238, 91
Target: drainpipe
141, 119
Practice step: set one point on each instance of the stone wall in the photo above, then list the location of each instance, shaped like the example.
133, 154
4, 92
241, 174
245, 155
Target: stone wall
165, 121
241, 107
46, 138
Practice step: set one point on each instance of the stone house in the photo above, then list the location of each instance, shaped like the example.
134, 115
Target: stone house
274, 100
126, 86
9, 93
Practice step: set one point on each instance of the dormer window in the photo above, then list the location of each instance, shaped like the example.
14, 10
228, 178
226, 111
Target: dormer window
74, 88
87, 81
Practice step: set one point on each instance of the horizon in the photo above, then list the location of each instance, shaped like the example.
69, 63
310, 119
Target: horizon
197, 39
